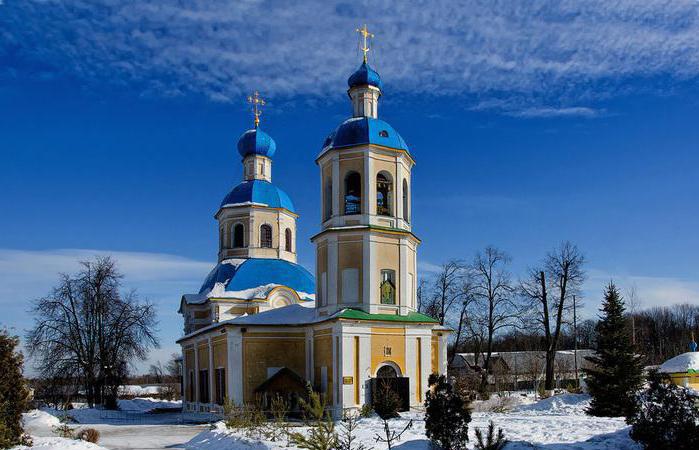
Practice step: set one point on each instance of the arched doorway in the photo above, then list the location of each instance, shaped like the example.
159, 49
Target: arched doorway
386, 372
388, 369
388, 376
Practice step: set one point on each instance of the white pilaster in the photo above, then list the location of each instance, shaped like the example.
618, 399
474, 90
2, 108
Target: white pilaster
234, 382
310, 375
211, 371
332, 271
426, 345
399, 193
337, 375
373, 280
364, 364
196, 372
337, 210
403, 288
411, 363
368, 189
366, 271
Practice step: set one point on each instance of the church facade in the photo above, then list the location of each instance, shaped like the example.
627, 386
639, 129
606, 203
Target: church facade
262, 323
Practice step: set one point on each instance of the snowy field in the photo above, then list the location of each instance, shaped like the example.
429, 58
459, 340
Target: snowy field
558, 423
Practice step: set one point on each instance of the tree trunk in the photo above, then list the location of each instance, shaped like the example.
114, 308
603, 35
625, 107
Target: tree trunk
550, 359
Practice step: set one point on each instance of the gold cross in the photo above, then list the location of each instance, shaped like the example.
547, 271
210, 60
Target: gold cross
365, 35
257, 102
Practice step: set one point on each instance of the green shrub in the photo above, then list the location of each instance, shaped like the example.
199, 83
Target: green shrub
666, 417
446, 415
492, 441
366, 410
321, 434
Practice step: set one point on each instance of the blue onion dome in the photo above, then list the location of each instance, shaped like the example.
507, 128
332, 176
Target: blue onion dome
260, 193
364, 130
256, 142
363, 76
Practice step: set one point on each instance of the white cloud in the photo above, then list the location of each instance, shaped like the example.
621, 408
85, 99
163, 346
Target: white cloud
161, 278
426, 268
533, 53
650, 290
545, 112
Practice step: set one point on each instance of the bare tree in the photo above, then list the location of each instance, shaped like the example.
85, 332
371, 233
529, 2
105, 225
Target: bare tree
86, 329
550, 290
424, 303
156, 372
493, 307
464, 317
447, 289
633, 305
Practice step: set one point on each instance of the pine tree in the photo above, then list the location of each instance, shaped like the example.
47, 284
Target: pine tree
616, 374
13, 391
446, 415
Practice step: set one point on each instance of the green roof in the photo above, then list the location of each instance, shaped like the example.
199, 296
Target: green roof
356, 314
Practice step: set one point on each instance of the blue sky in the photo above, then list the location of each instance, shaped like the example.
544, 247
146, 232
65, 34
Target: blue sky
529, 124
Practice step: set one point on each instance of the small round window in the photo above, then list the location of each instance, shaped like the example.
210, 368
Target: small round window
383, 133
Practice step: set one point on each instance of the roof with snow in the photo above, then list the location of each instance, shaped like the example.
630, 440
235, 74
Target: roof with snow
299, 314
258, 192
254, 278
683, 363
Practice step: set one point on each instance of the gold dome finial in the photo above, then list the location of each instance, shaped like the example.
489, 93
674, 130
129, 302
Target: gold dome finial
257, 103
366, 36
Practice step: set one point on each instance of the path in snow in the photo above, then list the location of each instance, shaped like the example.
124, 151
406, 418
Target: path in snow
147, 437
120, 430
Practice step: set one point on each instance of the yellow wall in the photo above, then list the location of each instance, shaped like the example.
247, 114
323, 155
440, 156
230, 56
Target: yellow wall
189, 365
686, 379
349, 257
323, 356
263, 350
435, 354
387, 337
388, 257
220, 352
203, 356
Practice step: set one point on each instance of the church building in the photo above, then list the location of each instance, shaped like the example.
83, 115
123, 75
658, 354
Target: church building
262, 323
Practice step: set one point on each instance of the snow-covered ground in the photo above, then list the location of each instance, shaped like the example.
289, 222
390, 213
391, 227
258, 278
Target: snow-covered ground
557, 423
166, 432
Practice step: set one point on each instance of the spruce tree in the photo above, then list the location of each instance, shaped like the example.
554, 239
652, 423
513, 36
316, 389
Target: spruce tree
616, 372
13, 391
446, 415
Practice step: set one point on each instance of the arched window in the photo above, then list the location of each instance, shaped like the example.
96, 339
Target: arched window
287, 236
353, 193
384, 189
406, 212
327, 199
265, 236
238, 235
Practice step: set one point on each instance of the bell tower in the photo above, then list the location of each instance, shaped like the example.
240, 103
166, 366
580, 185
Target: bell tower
366, 251
257, 219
